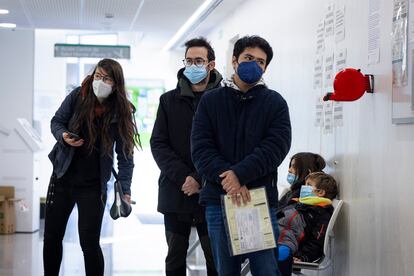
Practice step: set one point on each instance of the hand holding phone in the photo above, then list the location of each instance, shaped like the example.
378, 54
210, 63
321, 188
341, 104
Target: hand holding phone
73, 136
72, 139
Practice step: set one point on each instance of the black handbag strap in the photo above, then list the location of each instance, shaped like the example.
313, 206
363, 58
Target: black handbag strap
115, 174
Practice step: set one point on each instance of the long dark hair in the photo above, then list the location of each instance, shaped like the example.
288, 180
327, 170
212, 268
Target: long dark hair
115, 108
305, 163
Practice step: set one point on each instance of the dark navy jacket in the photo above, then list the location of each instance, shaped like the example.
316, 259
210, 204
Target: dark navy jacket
248, 133
62, 153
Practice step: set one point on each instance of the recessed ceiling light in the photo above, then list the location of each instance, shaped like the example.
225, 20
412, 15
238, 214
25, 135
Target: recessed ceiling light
195, 19
8, 25
4, 11
109, 15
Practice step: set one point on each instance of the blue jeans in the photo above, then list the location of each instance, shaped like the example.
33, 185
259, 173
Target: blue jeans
262, 263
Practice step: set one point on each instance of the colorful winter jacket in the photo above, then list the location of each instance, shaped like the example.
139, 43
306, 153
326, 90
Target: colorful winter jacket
302, 227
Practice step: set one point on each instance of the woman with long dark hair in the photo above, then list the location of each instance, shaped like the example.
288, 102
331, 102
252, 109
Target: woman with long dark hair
300, 166
93, 119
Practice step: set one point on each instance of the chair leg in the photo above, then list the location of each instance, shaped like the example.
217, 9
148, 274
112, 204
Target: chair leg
297, 272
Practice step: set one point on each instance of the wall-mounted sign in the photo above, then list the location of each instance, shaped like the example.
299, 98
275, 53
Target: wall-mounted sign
92, 51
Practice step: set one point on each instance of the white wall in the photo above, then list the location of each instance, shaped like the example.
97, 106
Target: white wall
16, 101
16, 75
374, 156
49, 91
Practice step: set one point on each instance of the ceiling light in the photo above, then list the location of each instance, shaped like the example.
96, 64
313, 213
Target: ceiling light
198, 16
109, 15
4, 11
8, 25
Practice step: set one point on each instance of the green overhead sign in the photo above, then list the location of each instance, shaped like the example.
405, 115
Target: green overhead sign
92, 51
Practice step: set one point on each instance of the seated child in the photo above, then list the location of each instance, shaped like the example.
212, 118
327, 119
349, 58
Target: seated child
302, 225
301, 164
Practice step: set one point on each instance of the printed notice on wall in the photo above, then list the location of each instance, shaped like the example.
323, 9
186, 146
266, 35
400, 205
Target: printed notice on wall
317, 75
399, 44
319, 112
338, 114
374, 32
402, 56
320, 37
329, 20
411, 19
329, 64
340, 24
328, 124
340, 60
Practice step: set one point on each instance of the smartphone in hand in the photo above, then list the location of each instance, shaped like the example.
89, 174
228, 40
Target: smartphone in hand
73, 136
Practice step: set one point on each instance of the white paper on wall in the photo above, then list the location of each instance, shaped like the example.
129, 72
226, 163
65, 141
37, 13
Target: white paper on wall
328, 118
374, 32
329, 70
318, 69
340, 24
320, 37
338, 114
340, 60
319, 112
411, 21
329, 20
399, 43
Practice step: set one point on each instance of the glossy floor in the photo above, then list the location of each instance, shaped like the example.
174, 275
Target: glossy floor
132, 246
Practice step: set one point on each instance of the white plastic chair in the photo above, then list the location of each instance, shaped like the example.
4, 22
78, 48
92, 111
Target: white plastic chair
327, 260
283, 190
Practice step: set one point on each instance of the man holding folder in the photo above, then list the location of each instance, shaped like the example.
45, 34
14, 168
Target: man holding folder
241, 134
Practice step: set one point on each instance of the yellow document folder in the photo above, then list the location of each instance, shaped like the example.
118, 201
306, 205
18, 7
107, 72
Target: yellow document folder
249, 227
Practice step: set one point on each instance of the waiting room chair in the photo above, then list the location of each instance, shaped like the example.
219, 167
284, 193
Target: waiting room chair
283, 190
327, 260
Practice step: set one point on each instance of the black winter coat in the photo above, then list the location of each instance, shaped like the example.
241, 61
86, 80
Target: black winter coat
287, 199
316, 219
248, 133
170, 146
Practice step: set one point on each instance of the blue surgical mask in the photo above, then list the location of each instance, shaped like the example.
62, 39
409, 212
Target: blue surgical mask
195, 74
249, 71
306, 191
291, 178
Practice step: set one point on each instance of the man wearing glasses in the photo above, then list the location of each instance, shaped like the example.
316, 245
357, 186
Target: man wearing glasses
179, 183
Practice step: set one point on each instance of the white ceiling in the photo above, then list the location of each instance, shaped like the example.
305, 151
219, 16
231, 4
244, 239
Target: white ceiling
157, 19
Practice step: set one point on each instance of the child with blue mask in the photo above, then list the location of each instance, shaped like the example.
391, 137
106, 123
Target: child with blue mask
306, 191
291, 178
300, 165
302, 225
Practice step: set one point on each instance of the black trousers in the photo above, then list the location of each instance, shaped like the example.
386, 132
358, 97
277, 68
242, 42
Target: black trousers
177, 233
91, 207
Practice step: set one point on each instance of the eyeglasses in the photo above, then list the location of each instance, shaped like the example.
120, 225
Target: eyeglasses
105, 79
199, 62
